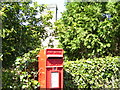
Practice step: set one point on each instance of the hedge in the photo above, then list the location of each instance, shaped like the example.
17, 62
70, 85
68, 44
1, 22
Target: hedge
92, 73
23, 74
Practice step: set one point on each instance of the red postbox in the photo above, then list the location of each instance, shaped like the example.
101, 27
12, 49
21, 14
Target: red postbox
50, 64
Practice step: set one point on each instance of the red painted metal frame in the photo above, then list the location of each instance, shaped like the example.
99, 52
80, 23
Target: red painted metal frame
48, 59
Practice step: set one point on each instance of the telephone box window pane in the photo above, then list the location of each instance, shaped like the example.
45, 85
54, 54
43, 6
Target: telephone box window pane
54, 79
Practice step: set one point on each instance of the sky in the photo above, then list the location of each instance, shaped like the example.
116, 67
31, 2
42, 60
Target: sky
60, 5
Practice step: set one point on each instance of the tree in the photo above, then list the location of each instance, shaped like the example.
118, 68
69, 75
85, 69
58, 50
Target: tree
23, 28
89, 29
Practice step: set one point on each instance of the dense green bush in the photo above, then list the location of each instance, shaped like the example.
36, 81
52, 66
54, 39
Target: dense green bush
89, 29
23, 28
92, 73
24, 73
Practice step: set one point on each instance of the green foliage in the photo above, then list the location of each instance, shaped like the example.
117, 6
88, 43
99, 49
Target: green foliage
92, 73
88, 30
24, 73
23, 28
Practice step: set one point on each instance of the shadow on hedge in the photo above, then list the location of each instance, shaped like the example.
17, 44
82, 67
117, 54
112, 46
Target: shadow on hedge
68, 83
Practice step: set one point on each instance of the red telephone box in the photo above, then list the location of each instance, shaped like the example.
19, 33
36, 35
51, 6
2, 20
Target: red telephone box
50, 64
